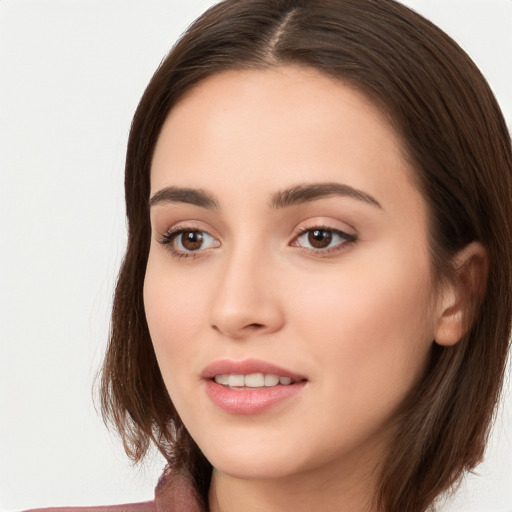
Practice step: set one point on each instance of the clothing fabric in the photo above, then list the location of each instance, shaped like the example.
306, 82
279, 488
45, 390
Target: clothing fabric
174, 492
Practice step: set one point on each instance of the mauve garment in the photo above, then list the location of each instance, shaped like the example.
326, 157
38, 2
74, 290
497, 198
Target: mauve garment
174, 493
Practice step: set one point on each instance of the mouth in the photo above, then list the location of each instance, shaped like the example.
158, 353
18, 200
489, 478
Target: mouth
253, 380
250, 386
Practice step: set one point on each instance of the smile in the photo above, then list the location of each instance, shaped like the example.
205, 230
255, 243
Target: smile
251, 386
253, 380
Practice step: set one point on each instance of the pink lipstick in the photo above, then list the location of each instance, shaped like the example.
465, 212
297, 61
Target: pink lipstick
250, 386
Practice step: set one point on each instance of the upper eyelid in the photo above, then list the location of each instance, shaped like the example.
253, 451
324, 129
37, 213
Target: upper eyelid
325, 227
187, 226
345, 234
309, 225
177, 230
301, 228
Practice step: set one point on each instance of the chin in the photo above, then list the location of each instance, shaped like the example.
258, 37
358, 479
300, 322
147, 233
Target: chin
259, 470
255, 461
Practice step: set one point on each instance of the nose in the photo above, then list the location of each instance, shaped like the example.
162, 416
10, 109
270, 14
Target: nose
247, 301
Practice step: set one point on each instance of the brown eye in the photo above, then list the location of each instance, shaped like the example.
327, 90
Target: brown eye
191, 240
188, 242
319, 238
322, 240
184, 242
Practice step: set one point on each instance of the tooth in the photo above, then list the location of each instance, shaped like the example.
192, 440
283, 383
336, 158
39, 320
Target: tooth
271, 380
222, 379
236, 381
254, 380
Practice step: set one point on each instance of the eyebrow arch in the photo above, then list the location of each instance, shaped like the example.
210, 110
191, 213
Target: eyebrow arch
311, 192
196, 197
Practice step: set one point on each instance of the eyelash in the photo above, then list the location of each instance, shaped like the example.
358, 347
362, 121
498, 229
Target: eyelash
168, 239
348, 239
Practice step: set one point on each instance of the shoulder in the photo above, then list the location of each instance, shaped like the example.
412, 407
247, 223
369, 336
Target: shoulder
175, 492
148, 506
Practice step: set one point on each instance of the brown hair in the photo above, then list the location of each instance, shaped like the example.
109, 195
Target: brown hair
457, 141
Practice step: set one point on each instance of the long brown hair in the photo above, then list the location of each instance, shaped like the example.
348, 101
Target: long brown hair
455, 138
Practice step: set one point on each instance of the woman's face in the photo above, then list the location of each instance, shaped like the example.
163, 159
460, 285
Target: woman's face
288, 241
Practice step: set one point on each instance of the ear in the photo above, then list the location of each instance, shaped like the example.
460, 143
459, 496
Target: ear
463, 293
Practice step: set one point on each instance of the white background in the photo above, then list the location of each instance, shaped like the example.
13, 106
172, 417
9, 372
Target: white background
71, 74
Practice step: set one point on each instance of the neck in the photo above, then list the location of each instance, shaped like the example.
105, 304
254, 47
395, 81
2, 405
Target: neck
325, 490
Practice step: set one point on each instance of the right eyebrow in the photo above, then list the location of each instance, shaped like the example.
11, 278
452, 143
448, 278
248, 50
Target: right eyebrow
193, 196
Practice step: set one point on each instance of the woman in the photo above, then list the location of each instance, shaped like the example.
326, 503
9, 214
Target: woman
314, 308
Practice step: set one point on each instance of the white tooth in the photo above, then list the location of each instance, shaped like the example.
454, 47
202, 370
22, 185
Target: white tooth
285, 380
222, 379
236, 381
271, 380
254, 380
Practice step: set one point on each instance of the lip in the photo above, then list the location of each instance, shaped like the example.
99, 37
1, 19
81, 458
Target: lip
246, 367
248, 401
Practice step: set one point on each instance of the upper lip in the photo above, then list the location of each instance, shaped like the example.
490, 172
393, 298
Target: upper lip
246, 367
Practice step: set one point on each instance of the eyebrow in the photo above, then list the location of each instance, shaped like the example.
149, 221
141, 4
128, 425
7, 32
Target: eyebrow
311, 192
193, 196
298, 194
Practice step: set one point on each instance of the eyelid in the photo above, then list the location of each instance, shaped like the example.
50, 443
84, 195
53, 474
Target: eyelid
301, 230
168, 238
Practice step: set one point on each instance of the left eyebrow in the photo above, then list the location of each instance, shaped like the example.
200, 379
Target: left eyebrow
311, 192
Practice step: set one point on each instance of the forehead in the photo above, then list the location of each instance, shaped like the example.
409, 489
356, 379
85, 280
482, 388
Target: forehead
274, 128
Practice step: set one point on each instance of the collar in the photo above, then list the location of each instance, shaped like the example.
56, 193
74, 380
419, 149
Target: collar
175, 492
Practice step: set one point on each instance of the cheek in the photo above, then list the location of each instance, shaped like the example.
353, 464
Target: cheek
174, 309
173, 299
369, 324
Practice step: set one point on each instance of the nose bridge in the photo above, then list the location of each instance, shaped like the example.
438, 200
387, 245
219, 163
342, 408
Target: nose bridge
245, 300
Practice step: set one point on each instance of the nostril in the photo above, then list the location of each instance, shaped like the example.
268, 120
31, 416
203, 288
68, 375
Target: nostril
255, 326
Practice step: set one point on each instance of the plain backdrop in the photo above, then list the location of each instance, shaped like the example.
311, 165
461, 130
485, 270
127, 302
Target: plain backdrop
71, 74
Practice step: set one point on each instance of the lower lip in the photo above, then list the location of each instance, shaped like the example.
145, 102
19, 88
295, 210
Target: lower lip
250, 401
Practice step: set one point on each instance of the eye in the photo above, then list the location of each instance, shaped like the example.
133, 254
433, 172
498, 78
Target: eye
186, 241
322, 239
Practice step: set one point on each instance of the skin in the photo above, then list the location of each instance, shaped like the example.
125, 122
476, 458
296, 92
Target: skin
357, 319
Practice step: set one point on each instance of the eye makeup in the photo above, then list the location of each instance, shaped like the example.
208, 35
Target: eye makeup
321, 240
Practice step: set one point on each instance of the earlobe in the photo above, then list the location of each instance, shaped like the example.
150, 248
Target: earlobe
461, 296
